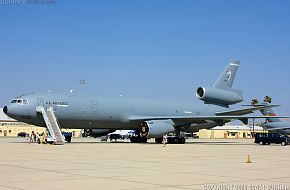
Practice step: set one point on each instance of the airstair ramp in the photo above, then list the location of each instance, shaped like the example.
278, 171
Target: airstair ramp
51, 124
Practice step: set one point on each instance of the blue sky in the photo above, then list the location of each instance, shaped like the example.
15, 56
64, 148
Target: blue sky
145, 48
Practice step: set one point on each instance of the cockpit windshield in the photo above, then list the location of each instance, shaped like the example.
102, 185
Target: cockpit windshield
20, 101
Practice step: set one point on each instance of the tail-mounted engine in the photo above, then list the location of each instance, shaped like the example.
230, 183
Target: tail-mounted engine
223, 97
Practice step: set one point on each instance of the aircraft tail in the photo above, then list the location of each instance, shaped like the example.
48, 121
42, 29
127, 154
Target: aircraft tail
222, 93
269, 112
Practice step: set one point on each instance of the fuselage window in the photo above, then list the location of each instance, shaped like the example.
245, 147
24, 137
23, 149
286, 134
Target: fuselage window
25, 101
20, 101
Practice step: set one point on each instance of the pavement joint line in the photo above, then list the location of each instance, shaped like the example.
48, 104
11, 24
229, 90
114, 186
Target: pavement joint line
89, 176
43, 180
16, 188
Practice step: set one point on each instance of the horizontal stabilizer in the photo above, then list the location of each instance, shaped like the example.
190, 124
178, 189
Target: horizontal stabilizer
244, 111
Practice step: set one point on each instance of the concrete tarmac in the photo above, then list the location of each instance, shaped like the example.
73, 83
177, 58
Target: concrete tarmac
87, 163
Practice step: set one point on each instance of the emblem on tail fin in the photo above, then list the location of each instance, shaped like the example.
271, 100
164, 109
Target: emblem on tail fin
228, 77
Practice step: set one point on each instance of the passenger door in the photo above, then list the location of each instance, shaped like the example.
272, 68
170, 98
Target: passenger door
40, 102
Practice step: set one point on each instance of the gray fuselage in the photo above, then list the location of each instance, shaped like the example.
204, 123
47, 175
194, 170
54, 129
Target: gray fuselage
88, 112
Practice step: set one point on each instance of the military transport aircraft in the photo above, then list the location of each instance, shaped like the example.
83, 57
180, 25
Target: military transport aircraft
151, 119
273, 124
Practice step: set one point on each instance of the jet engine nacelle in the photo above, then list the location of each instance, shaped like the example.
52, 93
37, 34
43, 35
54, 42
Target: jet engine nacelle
219, 96
156, 128
97, 132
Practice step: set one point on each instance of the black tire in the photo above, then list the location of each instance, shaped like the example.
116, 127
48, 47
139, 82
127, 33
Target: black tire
261, 143
133, 140
158, 140
182, 140
170, 140
283, 143
176, 141
144, 140
136, 140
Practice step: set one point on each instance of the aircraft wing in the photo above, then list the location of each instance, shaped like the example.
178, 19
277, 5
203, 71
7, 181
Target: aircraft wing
193, 119
278, 128
243, 111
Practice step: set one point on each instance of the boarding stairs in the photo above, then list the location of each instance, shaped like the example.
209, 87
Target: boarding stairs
51, 124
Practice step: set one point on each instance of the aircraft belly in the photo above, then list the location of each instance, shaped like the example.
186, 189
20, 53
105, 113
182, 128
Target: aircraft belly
85, 124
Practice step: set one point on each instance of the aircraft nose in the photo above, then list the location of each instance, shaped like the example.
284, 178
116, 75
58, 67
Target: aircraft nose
5, 109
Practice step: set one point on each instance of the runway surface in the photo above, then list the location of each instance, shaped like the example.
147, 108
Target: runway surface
87, 163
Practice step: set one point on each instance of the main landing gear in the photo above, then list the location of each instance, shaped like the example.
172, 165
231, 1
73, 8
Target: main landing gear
171, 140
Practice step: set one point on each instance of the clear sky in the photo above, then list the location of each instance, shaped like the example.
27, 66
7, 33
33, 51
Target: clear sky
145, 48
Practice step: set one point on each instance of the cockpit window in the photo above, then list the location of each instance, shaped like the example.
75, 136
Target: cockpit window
20, 101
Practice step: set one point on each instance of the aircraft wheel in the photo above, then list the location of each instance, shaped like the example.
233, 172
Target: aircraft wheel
138, 140
134, 140
176, 141
182, 140
170, 140
158, 140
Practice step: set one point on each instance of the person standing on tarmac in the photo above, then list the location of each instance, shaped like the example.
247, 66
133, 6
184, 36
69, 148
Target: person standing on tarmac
31, 138
164, 140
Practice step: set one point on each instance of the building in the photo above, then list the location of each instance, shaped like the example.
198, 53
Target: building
10, 127
230, 132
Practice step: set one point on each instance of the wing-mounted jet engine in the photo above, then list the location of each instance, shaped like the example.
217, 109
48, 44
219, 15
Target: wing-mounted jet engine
156, 128
153, 129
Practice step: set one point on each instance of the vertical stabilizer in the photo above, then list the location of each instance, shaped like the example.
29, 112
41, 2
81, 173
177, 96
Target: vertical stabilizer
270, 112
226, 79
